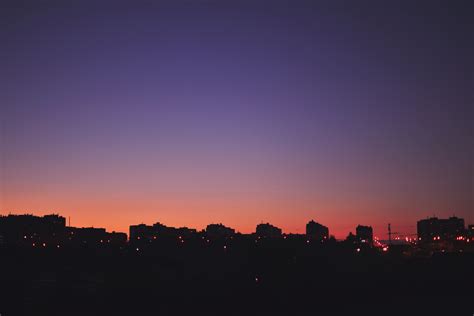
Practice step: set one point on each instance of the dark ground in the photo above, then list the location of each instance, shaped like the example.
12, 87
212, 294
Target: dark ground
242, 279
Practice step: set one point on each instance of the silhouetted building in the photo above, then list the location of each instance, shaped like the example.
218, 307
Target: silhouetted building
55, 220
142, 231
28, 229
116, 238
146, 232
365, 234
92, 237
87, 235
267, 230
164, 230
219, 231
51, 231
435, 229
317, 231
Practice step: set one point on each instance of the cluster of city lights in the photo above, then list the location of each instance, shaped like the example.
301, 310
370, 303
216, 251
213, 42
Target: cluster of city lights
377, 243
181, 240
380, 245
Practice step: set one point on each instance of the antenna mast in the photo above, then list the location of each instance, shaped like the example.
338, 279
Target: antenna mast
389, 234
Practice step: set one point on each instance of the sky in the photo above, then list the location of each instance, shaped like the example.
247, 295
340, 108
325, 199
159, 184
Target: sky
238, 112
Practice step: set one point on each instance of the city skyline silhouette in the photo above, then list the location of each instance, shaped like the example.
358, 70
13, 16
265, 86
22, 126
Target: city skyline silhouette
158, 267
236, 157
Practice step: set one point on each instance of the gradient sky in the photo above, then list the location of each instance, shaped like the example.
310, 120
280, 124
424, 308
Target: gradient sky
192, 112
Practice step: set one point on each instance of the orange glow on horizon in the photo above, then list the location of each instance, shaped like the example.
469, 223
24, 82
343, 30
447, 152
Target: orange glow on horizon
239, 211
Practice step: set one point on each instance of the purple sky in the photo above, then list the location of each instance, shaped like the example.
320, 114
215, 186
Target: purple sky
191, 112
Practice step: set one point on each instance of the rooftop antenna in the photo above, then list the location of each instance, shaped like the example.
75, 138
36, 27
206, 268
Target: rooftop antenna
69, 220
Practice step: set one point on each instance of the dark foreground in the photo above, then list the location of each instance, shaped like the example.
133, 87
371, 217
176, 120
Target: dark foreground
235, 280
